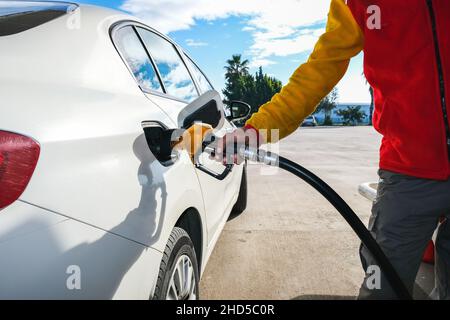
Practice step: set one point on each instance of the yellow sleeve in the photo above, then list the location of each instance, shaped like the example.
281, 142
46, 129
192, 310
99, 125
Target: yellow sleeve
313, 80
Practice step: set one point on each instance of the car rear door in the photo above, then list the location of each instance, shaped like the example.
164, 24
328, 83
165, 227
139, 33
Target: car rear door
179, 90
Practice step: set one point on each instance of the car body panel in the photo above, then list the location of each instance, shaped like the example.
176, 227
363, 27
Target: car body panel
87, 134
68, 88
42, 262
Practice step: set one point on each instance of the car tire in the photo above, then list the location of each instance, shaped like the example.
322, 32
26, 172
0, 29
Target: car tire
179, 252
241, 202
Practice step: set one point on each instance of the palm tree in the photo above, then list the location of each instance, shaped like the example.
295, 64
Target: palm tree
327, 105
372, 104
236, 67
352, 115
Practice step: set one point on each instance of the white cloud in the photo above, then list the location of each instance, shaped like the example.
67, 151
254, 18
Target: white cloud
256, 63
194, 43
278, 28
267, 45
248, 29
353, 87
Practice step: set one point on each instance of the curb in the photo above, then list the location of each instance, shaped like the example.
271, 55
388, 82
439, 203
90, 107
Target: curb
368, 190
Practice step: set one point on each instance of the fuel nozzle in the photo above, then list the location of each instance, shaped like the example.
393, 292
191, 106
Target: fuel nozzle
249, 154
200, 138
194, 139
259, 155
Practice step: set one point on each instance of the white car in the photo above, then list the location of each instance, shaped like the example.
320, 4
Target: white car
87, 210
310, 122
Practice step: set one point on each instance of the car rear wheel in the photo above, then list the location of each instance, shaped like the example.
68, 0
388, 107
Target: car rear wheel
178, 277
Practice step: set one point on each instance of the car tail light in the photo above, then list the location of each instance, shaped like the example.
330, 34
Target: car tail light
18, 159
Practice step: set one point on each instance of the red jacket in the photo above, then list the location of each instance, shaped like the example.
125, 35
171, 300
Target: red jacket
406, 61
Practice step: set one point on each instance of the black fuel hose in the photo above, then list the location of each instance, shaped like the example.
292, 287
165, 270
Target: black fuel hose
272, 159
352, 219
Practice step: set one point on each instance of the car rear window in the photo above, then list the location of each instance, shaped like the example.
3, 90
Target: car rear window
134, 54
174, 74
202, 81
19, 16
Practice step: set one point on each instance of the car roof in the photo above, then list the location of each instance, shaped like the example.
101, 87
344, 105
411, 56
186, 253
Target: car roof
14, 7
91, 15
8, 8
82, 55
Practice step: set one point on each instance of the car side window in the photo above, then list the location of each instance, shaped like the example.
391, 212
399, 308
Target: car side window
174, 74
134, 54
203, 83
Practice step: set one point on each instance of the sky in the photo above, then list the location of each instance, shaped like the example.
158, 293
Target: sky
277, 35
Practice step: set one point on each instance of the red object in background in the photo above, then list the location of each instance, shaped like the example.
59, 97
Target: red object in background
18, 158
428, 256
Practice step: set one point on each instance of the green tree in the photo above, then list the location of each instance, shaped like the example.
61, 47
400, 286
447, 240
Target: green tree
352, 115
327, 105
237, 78
236, 67
372, 104
241, 85
265, 88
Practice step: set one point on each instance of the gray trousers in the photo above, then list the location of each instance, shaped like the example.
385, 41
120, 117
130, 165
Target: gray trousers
404, 217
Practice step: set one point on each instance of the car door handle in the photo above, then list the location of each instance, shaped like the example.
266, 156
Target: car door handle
221, 176
206, 147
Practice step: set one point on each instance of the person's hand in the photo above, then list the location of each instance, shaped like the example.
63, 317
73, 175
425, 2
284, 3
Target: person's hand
227, 148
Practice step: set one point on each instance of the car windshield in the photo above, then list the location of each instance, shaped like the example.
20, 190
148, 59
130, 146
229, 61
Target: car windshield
19, 16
